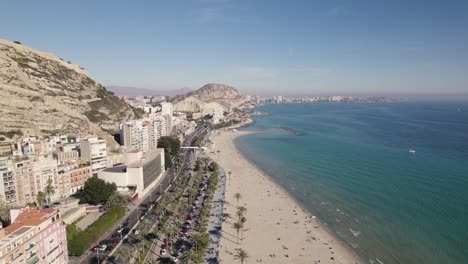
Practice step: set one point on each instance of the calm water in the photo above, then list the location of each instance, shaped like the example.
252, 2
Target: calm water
351, 167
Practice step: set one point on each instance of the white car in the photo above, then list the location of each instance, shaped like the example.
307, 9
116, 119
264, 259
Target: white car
137, 232
163, 252
174, 258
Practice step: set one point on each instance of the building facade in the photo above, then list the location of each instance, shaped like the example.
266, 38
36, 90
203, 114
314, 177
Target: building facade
140, 134
35, 236
94, 151
141, 174
166, 108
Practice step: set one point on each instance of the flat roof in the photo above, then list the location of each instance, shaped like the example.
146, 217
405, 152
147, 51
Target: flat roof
120, 168
149, 156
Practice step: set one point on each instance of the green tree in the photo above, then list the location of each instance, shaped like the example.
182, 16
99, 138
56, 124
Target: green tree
96, 191
4, 212
213, 166
41, 196
117, 199
49, 190
241, 255
171, 146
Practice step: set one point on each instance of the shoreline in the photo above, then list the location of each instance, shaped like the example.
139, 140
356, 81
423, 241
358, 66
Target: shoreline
278, 228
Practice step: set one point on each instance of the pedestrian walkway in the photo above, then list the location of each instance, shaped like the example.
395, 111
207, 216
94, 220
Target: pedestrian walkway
216, 220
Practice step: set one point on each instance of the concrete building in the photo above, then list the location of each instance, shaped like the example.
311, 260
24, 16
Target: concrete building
62, 156
140, 134
72, 177
141, 174
94, 151
35, 236
7, 183
45, 168
166, 108
26, 179
164, 123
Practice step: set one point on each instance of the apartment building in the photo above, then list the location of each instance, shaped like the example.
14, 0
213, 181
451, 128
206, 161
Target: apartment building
7, 182
140, 134
94, 151
166, 108
35, 236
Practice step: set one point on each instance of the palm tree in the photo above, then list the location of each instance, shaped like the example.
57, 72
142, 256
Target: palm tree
188, 257
124, 253
237, 226
241, 255
238, 196
240, 211
242, 220
40, 198
49, 190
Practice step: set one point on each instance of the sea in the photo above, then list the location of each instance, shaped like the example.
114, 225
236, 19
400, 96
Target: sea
352, 168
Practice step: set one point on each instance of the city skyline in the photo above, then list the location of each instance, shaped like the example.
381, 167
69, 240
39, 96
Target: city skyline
262, 47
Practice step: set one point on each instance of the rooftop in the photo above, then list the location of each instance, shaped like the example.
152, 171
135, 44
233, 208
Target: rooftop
120, 168
30, 217
26, 220
149, 156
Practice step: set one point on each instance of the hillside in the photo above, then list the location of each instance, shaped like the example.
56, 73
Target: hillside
42, 95
209, 95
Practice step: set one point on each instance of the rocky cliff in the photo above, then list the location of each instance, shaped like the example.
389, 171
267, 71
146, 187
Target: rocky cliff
209, 96
42, 94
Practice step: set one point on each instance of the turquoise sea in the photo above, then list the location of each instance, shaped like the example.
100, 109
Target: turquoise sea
351, 167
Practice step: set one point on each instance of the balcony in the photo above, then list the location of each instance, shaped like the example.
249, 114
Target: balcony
33, 259
28, 247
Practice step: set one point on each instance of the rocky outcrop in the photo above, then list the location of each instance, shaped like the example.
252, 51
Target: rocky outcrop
42, 94
209, 96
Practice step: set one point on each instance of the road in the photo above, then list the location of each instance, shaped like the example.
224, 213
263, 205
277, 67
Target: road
145, 203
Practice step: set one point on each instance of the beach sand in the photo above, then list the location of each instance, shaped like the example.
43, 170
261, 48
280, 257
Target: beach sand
278, 229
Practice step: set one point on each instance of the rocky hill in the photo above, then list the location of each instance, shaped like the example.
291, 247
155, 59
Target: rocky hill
210, 95
42, 94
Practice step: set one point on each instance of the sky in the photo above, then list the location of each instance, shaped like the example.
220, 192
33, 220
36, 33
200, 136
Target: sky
259, 46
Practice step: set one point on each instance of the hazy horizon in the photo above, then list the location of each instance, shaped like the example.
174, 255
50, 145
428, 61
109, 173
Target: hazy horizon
411, 96
262, 47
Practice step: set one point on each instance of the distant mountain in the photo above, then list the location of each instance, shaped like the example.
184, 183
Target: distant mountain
135, 91
212, 95
41, 94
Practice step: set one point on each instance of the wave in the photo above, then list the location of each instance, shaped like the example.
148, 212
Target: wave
356, 233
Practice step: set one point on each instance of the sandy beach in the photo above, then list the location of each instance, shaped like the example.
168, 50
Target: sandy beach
278, 229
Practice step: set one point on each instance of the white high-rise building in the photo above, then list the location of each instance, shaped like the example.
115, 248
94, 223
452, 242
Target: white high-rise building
141, 134
164, 123
166, 108
94, 151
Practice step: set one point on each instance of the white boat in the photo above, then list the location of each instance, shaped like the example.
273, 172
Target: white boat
412, 151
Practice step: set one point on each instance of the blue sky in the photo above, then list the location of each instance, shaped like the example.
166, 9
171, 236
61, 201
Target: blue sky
288, 47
